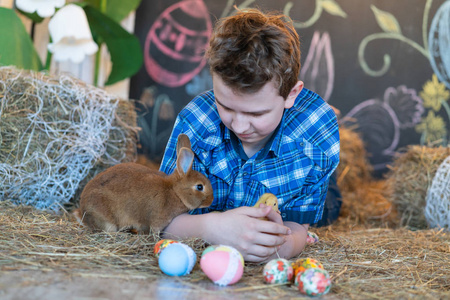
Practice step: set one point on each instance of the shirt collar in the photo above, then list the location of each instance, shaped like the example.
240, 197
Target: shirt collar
273, 144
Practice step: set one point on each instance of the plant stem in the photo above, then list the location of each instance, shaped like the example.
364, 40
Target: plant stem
97, 64
48, 61
98, 55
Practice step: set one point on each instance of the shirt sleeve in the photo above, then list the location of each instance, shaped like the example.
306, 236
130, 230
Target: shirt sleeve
307, 206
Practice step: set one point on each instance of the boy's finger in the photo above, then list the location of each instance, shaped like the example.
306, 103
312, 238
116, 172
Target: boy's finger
273, 228
255, 212
269, 240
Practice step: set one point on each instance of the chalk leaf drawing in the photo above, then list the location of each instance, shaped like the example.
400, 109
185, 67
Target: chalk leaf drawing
433, 128
392, 30
386, 20
380, 121
330, 6
439, 43
318, 69
436, 45
173, 50
333, 8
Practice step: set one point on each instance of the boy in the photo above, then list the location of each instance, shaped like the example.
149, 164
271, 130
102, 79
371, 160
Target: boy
257, 131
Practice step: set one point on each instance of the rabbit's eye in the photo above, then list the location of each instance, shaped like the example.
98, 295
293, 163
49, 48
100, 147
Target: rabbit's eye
199, 187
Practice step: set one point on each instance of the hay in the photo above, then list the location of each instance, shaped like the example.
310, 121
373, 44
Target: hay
364, 199
410, 177
370, 205
354, 168
364, 263
54, 131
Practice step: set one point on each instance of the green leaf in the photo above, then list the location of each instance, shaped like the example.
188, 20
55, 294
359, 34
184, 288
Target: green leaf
125, 49
115, 9
33, 17
386, 20
332, 7
16, 46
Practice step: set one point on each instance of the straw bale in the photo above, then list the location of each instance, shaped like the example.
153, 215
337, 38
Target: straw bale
364, 263
370, 204
55, 131
354, 168
409, 178
364, 199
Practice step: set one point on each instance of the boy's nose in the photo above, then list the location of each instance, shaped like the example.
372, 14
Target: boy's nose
240, 124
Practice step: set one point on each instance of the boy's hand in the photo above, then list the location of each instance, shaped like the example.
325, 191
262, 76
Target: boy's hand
257, 240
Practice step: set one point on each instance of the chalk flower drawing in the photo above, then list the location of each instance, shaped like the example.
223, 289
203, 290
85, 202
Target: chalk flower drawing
42, 8
406, 105
433, 129
434, 94
71, 36
380, 121
318, 70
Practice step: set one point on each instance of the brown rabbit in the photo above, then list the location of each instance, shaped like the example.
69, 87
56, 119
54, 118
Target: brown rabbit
132, 196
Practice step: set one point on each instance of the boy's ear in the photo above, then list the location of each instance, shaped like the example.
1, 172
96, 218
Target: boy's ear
290, 100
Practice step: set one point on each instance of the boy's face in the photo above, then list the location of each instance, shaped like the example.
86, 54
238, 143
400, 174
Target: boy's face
252, 117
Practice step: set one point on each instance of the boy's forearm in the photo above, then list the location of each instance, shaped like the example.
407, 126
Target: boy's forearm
186, 226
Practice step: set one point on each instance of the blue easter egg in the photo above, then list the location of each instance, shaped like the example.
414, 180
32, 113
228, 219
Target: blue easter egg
177, 259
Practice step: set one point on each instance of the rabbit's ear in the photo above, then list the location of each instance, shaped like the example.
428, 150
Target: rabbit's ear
183, 141
184, 160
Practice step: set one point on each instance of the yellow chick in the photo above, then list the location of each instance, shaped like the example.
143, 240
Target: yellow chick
268, 199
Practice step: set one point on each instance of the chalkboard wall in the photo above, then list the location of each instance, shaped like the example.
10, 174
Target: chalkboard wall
384, 64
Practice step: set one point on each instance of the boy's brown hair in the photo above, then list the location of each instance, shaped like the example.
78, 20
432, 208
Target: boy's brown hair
250, 48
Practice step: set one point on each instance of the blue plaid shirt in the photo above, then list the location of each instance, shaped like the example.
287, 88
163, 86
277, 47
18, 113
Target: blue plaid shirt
295, 165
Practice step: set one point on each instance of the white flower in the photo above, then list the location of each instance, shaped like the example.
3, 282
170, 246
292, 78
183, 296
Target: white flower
71, 36
44, 8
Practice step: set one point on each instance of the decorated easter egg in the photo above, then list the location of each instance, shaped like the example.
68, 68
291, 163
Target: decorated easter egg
224, 265
174, 46
313, 282
278, 271
302, 264
312, 238
159, 246
177, 259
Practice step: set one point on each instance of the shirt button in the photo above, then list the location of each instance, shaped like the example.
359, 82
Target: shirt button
283, 215
245, 173
232, 203
302, 144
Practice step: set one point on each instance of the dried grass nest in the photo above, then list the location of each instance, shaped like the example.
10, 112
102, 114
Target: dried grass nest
56, 133
364, 263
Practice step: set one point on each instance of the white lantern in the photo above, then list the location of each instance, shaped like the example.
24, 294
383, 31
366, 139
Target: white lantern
44, 8
71, 36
